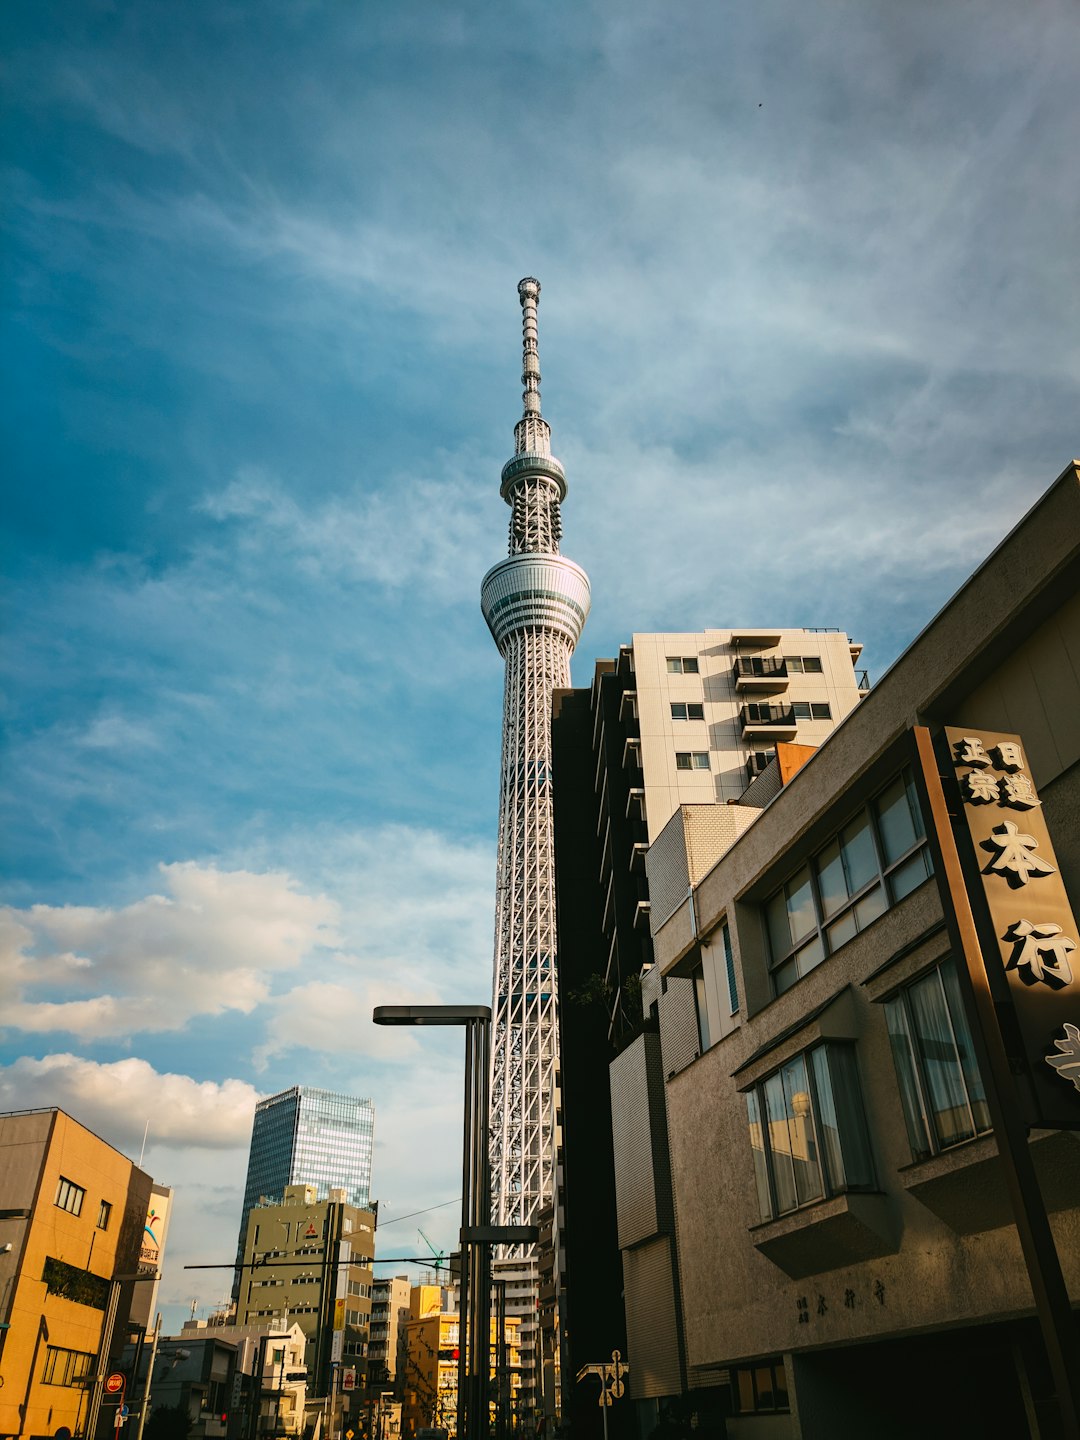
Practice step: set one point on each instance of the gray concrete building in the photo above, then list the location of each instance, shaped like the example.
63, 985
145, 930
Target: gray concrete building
848, 1261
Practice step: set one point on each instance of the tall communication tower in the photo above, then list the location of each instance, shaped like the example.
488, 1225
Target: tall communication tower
535, 603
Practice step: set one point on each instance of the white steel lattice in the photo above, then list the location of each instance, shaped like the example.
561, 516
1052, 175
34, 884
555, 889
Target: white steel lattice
535, 603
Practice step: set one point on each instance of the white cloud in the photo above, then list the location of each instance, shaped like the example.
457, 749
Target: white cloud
209, 946
117, 1099
413, 531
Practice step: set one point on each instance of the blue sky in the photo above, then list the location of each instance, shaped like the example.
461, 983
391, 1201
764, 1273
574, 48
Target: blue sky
809, 342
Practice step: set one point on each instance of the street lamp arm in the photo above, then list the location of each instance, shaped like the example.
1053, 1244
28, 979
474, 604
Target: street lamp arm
429, 1014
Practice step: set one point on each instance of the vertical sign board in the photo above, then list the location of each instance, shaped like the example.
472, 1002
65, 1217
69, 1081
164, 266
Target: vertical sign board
1026, 926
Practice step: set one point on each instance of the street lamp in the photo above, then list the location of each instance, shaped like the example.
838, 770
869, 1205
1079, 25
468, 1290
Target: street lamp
475, 1295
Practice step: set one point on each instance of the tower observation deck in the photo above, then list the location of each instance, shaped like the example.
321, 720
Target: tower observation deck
535, 603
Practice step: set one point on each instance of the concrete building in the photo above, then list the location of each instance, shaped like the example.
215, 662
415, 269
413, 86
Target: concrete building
306, 1136
239, 1381
535, 603
72, 1212
309, 1261
677, 723
390, 1300
848, 1259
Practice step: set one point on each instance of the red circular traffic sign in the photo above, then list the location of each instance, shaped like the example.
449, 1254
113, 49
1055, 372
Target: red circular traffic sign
114, 1383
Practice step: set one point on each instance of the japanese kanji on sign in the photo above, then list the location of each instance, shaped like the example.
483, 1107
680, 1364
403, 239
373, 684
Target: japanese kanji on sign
1023, 914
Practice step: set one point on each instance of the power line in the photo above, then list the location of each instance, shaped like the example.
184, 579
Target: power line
413, 1213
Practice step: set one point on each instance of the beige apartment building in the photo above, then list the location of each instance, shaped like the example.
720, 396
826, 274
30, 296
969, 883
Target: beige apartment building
678, 721
848, 1259
308, 1261
72, 1216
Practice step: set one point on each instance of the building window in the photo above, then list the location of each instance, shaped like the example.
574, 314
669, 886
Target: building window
940, 1086
808, 1132
803, 664
879, 857
811, 710
760, 1389
687, 710
729, 967
104, 1215
65, 1367
682, 664
691, 760
69, 1196
702, 1009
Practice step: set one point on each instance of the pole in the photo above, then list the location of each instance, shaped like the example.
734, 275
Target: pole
464, 1336
1010, 1131
478, 1172
149, 1378
103, 1359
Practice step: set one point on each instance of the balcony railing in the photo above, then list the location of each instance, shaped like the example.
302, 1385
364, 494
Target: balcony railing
760, 672
767, 719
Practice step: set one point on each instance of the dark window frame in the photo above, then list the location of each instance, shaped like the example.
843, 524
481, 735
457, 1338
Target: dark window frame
843, 1161
69, 1196
826, 934
922, 1115
749, 1389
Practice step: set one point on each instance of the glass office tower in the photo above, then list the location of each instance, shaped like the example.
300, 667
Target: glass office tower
310, 1137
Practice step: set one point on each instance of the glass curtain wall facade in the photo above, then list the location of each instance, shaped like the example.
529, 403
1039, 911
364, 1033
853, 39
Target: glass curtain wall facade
310, 1137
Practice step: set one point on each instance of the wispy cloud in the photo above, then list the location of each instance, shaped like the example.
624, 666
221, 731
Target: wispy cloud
208, 945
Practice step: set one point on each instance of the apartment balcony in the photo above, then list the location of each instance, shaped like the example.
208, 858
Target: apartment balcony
628, 706
638, 850
760, 674
635, 804
775, 721
862, 680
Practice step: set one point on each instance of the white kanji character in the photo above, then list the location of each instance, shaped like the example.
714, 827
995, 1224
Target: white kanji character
979, 787
1017, 792
1007, 755
969, 751
1041, 952
1067, 1064
1016, 855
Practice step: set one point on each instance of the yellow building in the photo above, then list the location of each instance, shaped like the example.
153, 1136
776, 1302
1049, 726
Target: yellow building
72, 1214
431, 1363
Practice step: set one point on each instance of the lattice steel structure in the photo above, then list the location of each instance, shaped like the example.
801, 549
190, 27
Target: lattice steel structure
535, 603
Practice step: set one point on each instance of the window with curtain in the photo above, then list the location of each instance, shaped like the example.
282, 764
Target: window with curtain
808, 1134
941, 1090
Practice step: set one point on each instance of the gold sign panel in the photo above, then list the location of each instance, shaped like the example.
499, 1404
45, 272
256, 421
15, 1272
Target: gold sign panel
1023, 913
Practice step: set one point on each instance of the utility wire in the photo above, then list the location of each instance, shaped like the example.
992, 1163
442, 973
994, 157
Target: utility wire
413, 1213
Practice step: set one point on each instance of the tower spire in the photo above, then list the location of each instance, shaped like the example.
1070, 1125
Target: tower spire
532, 433
535, 603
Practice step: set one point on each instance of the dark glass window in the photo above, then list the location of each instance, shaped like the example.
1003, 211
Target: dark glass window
808, 1134
878, 857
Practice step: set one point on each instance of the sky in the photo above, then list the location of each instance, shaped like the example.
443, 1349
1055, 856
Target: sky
810, 338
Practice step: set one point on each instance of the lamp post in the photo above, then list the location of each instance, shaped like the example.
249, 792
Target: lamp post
474, 1362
